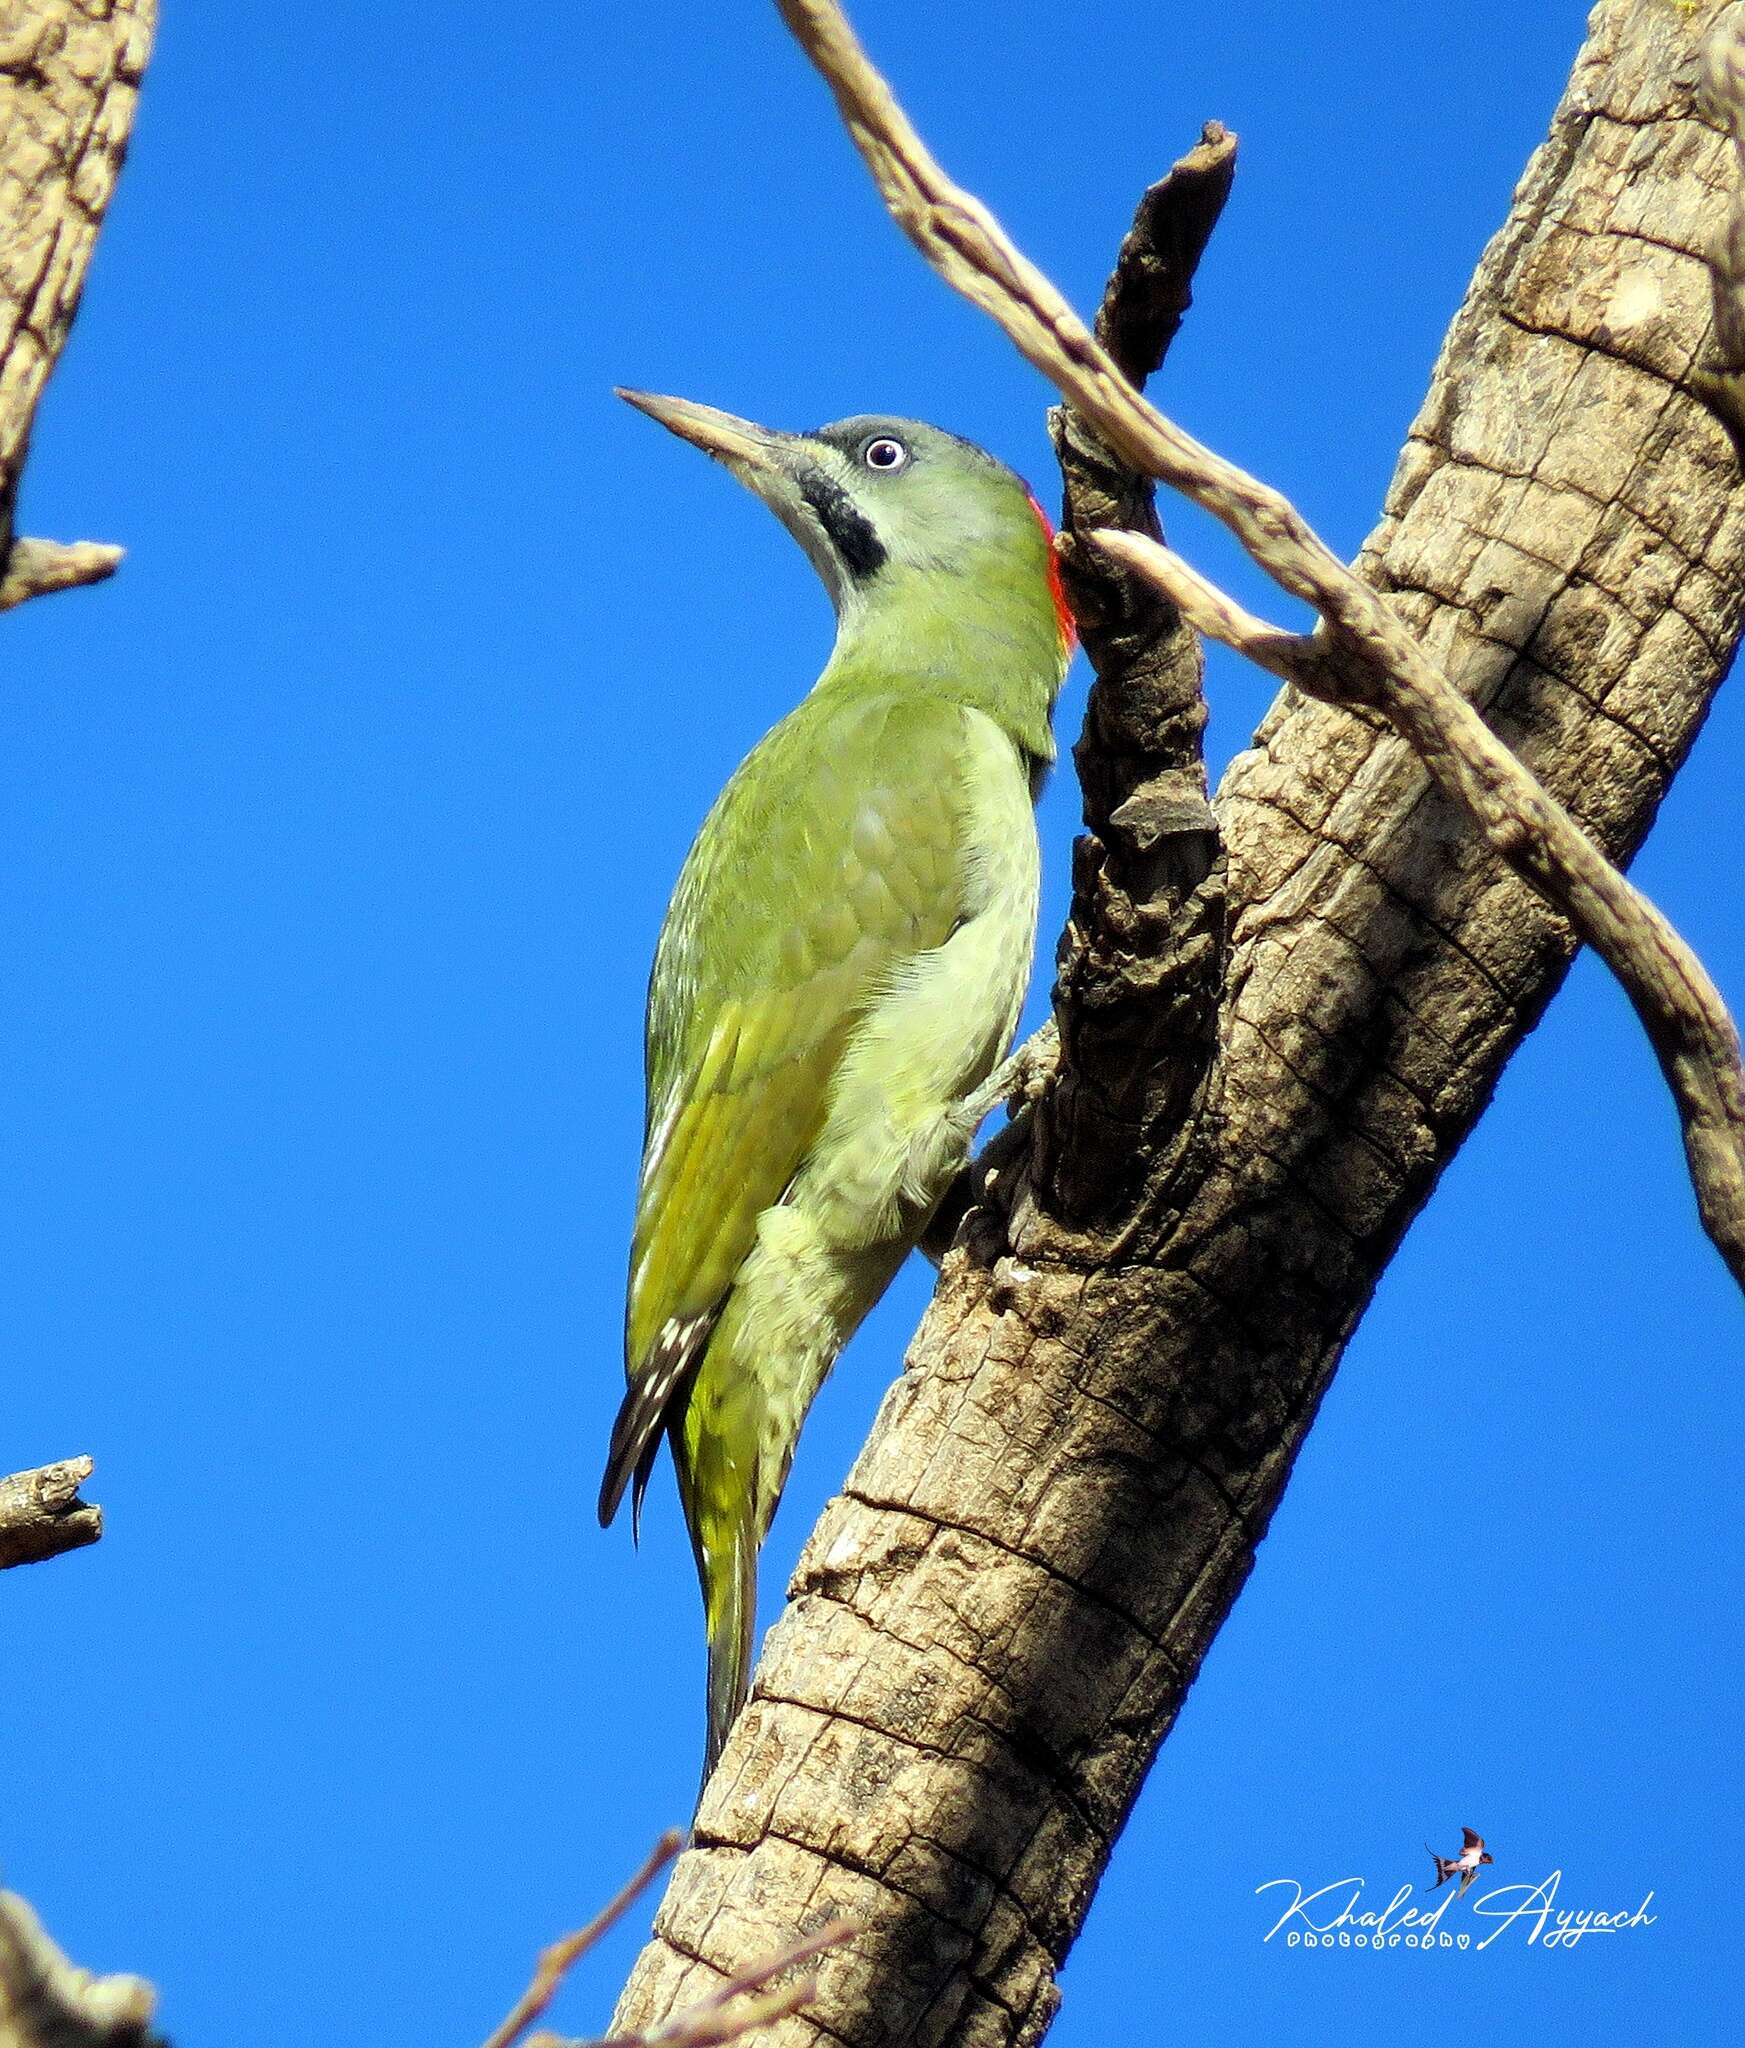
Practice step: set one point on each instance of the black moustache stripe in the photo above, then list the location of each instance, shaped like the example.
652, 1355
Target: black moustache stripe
851, 532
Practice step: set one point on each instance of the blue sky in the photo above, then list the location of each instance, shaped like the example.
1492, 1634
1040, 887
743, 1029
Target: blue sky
337, 832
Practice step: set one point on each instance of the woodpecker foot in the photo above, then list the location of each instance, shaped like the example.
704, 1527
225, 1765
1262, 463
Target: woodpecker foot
1018, 1080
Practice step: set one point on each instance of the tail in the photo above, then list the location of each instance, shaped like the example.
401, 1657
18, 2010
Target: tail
715, 1490
729, 1575
731, 1450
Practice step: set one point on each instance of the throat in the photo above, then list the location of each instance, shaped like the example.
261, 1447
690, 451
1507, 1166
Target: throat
948, 636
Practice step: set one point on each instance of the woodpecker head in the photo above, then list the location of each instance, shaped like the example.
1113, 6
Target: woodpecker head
878, 503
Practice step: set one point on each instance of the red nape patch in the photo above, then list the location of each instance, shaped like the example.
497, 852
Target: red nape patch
1069, 631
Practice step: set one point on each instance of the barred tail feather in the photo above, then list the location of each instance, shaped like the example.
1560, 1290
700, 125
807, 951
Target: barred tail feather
635, 1433
656, 1389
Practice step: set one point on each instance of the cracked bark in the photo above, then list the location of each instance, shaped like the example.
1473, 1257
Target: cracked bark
993, 1626
69, 81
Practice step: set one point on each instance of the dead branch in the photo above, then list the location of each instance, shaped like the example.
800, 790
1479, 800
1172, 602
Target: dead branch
1680, 1008
745, 2001
41, 1513
1141, 769
37, 568
48, 2002
714, 2019
1151, 838
561, 1957
69, 81
1362, 651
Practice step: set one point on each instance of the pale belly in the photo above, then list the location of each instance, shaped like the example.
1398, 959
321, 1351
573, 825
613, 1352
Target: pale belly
897, 1131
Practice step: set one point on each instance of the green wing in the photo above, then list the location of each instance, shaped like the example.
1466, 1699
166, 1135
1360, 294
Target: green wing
835, 853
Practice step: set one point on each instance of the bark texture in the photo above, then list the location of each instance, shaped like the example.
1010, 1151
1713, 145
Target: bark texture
41, 1513
69, 79
994, 1624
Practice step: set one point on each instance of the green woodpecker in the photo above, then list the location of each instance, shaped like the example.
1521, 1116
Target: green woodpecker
841, 967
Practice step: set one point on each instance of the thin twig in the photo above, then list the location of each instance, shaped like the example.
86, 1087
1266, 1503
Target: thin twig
708, 2021
41, 1513
737, 2006
556, 1961
697, 2027
1362, 650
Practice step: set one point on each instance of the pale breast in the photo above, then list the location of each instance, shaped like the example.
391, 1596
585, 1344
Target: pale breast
894, 1135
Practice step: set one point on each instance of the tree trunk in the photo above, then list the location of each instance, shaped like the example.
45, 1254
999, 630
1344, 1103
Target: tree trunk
1266, 1064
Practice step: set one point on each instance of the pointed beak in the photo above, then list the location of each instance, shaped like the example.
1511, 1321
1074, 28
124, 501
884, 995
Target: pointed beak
782, 469
752, 452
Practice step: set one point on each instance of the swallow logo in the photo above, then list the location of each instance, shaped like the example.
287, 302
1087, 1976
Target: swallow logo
1464, 1866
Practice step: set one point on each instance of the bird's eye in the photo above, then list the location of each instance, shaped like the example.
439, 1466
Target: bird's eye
884, 453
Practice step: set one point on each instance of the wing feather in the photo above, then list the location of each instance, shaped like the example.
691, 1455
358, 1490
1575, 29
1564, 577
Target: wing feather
835, 854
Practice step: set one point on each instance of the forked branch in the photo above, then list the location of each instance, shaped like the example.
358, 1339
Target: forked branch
1361, 652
